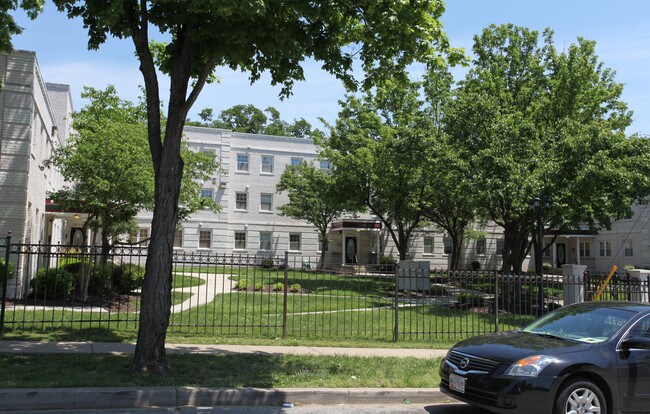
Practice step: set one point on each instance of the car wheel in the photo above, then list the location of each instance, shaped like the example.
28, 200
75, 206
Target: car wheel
581, 396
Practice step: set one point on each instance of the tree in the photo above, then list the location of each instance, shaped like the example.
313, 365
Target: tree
379, 148
242, 118
8, 26
536, 122
384, 36
107, 163
315, 197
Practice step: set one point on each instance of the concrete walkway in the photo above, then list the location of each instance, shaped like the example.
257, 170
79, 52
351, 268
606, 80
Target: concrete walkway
215, 284
32, 399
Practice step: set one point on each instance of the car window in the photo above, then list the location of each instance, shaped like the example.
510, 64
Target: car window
641, 328
585, 324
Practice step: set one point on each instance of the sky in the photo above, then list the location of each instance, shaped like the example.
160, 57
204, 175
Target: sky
620, 28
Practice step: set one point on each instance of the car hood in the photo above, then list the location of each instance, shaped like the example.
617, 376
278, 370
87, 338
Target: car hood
512, 346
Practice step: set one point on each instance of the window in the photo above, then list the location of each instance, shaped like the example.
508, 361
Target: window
265, 241
242, 162
240, 240
296, 161
320, 243
178, 238
267, 164
241, 201
143, 234
446, 243
324, 165
294, 242
428, 245
206, 193
205, 239
500, 245
629, 249
605, 248
546, 252
585, 249
480, 246
266, 202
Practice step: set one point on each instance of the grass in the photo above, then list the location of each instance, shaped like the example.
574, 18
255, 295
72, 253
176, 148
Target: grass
183, 281
234, 370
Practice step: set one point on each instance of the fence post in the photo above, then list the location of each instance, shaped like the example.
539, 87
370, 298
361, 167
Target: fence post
286, 290
5, 277
496, 300
396, 332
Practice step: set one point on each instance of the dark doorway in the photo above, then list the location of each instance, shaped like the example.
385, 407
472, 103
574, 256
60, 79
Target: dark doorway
77, 236
350, 250
560, 254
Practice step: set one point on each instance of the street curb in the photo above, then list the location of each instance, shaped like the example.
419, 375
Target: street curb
25, 399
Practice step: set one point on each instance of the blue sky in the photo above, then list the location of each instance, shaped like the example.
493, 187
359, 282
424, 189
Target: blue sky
621, 30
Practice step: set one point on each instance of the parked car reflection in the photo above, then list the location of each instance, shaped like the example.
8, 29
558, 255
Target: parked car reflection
591, 357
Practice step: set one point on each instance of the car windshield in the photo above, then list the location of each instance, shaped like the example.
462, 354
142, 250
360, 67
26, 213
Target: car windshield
589, 324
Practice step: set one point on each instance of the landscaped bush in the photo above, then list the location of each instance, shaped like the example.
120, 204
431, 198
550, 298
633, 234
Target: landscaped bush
56, 283
267, 263
471, 299
242, 284
547, 267
259, 286
278, 287
2, 269
476, 265
387, 263
295, 287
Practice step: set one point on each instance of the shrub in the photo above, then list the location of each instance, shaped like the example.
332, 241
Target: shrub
547, 267
126, 278
278, 286
55, 283
629, 267
476, 265
295, 287
267, 263
387, 263
259, 286
471, 299
2, 269
242, 284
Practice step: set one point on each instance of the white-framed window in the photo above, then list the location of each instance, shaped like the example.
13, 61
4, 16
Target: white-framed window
205, 239
241, 201
585, 249
266, 202
143, 235
480, 246
629, 249
265, 240
547, 250
178, 238
296, 161
447, 245
267, 164
207, 193
605, 248
294, 242
242, 162
428, 245
320, 243
324, 165
240, 240
500, 245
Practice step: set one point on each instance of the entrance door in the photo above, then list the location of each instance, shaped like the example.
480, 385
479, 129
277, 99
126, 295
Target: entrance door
77, 236
560, 254
350, 250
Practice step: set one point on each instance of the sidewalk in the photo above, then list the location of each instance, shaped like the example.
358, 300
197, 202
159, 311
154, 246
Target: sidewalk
171, 397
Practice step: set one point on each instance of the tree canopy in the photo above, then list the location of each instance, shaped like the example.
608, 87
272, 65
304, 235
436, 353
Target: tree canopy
253, 36
8, 26
534, 121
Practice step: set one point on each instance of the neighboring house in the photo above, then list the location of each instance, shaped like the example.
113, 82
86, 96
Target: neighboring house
35, 120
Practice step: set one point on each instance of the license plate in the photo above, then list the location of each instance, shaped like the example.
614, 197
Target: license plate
457, 383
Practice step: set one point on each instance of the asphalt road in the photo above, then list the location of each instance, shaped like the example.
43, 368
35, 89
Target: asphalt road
454, 408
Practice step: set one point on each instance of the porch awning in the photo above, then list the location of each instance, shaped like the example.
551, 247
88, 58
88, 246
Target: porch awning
356, 224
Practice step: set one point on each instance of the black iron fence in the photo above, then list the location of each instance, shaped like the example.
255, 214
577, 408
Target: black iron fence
47, 287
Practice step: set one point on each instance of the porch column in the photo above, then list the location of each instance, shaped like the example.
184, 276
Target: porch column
343, 247
574, 288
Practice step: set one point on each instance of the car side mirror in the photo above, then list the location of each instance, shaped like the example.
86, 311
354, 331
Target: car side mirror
636, 342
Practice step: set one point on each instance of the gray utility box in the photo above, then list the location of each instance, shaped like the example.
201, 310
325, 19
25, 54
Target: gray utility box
412, 275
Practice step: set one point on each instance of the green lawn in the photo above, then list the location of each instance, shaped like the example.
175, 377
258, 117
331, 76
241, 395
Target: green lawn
235, 370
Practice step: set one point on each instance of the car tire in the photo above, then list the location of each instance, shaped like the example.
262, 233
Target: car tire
580, 396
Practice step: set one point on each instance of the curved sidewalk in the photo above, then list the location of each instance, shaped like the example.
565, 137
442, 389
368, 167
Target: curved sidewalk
31, 399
